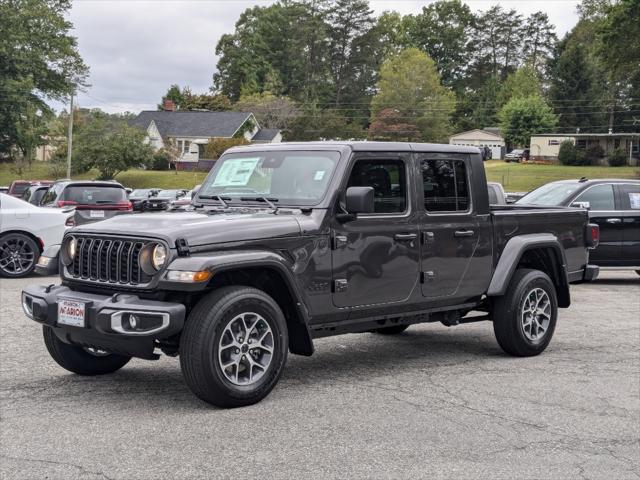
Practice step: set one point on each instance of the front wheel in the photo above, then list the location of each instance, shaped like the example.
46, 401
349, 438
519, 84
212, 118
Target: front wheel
18, 255
524, 319
234, 347
81, 360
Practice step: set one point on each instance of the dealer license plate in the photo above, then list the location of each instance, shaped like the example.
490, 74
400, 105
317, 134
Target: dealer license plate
71, 313
96, 213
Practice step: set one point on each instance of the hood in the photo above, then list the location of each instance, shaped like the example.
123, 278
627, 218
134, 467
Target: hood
198, 228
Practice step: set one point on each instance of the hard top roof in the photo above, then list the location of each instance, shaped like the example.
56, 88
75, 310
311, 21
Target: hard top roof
359, 146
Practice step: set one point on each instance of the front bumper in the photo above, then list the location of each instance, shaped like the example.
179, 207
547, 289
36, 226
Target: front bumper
49, 261
104, 327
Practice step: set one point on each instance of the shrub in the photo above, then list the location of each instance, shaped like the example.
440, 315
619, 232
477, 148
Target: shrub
160, 161
567, 153
593, 154
216, 147
618, 158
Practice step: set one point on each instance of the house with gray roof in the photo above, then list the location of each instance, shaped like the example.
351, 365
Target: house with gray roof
191, 130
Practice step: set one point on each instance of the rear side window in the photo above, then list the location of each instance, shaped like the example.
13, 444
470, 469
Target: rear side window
630, 196
389, 181
446, 186
94, 195
51, 195
600, 197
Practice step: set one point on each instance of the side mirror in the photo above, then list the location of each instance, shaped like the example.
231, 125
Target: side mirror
359, 200
585, 205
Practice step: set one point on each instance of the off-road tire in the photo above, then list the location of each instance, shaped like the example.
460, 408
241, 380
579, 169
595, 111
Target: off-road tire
507, 314
395, 330
78, 360
200, 343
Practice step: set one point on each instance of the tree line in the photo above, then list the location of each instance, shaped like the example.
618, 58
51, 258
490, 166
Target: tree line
336, 70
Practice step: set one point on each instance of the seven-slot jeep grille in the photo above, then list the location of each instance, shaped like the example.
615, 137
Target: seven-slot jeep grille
108, 260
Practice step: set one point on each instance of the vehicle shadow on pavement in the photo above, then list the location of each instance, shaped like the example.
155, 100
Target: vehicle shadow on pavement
347, 360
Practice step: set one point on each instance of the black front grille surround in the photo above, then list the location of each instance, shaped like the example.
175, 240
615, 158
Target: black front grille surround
108, 260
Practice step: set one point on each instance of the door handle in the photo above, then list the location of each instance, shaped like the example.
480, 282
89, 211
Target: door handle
464, 233
405, 237
614, 220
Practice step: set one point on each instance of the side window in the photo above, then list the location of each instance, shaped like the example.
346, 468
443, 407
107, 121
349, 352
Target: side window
388, 179
600, 197
446, 187
630, 196
50, 196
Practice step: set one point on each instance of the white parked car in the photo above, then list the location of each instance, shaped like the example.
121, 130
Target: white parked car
26, 231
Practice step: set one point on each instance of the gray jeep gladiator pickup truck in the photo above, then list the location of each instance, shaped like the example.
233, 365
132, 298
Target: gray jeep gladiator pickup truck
287, 243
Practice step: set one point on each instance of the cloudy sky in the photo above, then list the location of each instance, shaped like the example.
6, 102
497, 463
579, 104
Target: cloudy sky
137, 48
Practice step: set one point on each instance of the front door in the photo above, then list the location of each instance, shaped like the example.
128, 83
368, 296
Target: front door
451, 231
375, 257
602, 211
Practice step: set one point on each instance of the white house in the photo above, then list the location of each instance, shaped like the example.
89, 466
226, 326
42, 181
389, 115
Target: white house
487, 137
190, 130
547, 146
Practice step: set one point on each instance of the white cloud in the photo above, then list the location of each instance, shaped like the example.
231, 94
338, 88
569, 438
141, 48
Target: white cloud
136, 49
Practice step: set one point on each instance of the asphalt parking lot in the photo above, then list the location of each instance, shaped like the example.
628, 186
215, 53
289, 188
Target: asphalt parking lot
434, 402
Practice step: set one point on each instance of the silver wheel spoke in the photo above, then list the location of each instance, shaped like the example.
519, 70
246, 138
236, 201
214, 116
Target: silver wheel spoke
535, 314
245, 348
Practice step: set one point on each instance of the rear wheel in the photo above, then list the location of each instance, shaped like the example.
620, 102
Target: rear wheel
81, 360
524, 319
395, 330
234, 347
18, 255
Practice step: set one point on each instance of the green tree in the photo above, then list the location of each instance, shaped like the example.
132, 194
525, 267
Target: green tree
443, 30
524, 82
175, 95
270, 110
567, 153
576, 89
110, 146
318, 124
523, 117
484, 104
39, 61
540, 41
410, 84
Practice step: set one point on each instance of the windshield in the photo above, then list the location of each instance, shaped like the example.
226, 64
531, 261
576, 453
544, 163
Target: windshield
94, 195
140, 192
167, 194
551, 194
288, 177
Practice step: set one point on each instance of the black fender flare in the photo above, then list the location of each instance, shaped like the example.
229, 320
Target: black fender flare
300, 342
512, 254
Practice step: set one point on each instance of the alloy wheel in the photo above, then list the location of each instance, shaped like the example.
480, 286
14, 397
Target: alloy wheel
536, 314
16, 255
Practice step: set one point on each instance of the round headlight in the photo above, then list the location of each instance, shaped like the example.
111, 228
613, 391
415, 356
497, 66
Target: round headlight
158, 256
71, 247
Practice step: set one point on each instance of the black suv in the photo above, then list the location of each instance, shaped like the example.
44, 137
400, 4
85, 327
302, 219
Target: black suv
93, 200
292, 242
613, 204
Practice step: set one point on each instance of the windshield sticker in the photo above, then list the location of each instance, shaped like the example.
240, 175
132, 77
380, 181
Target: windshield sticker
634, 200
319, 175
236, 172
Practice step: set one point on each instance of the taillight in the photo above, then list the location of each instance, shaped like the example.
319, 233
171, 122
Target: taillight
71, 221
593, 235
128, 206
65, 203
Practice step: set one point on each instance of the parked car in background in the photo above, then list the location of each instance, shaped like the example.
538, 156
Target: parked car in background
496, 194
513, 197
93, 200
613, 204
518, 155
34, 194
140, 195
18, 187
162, 200
26, 231
185, 201
4, 189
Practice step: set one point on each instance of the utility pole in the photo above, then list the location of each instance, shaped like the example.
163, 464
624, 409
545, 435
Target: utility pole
70, 138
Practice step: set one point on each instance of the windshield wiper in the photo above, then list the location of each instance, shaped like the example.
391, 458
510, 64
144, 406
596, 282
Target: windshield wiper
222, 200
268, 201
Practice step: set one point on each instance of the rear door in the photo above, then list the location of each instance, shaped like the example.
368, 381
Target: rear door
450, 229
629, 197
602, 210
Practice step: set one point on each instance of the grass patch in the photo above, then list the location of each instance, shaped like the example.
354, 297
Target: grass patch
513, 176
516, 177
